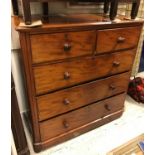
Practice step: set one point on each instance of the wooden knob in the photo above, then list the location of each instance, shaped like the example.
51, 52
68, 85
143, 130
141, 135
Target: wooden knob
65, 124
120, 39
107, 107
66, 101
116, 63
112, 87
67, 47
66, 75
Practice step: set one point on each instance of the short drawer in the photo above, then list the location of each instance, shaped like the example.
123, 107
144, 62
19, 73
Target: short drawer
80, 117
48, 47
69, 99
117, 39
69, 73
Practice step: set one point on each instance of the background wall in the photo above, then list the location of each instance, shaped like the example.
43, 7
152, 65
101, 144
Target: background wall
59, 7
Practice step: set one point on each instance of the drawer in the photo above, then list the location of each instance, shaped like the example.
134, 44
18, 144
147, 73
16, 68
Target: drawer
48, 47
80, 117
69, 99
69, 73
117, 39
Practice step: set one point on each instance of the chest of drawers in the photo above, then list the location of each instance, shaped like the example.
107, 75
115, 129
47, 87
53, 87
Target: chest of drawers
76, 76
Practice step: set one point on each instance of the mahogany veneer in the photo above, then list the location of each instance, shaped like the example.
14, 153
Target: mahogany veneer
117, 39
57, 46
70, 72
77, 74
69, 99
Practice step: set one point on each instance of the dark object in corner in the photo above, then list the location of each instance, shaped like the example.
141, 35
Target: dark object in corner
141, 65
16, 125
15, 7
141, 145
136, 89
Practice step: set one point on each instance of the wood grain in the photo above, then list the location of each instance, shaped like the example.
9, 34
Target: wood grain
30, 89
79, 78
71, 72
48, 47
112, 39
56, 103
75, 22
77, 118
80, 130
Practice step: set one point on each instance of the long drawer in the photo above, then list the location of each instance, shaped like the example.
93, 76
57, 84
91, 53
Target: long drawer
60, 75
56, 46
69, 99
117, 39
82, 116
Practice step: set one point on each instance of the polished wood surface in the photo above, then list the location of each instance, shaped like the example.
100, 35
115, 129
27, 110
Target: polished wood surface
45, 8
64, 88
135, 7
55, 76
80, 130
30, 89
117, 39
75, 22
77, 118
113, 9
112, 5
56, 46
78, 96
26, 12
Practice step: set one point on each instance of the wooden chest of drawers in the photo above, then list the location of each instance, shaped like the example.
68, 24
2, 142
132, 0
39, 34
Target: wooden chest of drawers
77, 75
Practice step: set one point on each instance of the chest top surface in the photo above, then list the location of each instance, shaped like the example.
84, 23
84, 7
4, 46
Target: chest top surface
70, 22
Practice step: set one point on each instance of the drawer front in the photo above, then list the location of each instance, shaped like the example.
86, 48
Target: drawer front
117, 39
80, 117
61, 75
48, 47
65, 100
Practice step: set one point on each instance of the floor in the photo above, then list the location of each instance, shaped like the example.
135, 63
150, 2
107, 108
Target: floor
105, 138
132, 147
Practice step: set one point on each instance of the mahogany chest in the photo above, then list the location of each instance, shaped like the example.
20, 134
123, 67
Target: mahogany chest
76, 74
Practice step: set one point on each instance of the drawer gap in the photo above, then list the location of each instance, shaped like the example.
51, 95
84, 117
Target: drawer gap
79, 57
59, 61
81, 107
93, 80
110, 52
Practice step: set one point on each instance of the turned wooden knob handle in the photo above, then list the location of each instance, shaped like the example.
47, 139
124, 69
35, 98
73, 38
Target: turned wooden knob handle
65, 124
116, 63
66, 101
120, 39
67, 47
66, 75
112, 86
107, 107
